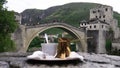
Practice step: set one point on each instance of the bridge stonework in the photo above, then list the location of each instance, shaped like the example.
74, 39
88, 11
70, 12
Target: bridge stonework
28, 33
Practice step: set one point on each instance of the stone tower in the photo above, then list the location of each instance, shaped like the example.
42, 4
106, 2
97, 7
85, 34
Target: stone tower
96, 34
101, 20
17, 35
105, 13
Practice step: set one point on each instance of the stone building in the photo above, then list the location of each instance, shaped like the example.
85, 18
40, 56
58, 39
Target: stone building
101, 20
96, 34
105, 13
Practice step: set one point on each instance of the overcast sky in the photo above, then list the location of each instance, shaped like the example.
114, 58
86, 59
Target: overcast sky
21, 5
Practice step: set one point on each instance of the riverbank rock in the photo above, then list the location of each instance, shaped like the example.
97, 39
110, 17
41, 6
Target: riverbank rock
4, 64
18, 60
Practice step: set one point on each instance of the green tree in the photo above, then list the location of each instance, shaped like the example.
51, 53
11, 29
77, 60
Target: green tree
7, 26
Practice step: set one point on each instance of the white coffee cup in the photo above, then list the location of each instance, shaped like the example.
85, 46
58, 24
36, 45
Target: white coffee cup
49, 48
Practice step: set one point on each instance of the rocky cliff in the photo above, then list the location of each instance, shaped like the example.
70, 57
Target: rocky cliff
18, 60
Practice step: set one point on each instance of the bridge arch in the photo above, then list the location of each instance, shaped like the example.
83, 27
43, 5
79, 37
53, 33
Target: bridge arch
31, 32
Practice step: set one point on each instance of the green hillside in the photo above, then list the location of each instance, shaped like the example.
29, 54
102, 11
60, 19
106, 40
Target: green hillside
71, 13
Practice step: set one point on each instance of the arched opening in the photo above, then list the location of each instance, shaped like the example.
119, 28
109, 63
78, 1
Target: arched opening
53, 34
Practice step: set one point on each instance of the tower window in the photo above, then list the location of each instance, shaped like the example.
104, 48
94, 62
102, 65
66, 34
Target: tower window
94, 11
106, 9
103, 16
104, 20
96, 17
99, 16
102, 26
94, 26
90, 26
98, 10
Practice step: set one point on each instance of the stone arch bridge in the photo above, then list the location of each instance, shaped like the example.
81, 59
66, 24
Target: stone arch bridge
25, 34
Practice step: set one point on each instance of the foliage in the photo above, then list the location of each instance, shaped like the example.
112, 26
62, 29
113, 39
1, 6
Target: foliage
6, 44
1, 3
7, 22
53, 31
36, 42
108, 45
109, 40
7, 26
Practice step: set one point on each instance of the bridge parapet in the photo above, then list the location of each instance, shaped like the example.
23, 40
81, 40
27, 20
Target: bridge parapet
52, 24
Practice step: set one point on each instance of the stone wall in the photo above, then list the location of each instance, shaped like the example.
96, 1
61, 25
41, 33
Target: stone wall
101, 42
92, 40
104, 13
96, 41
17, 37
116, 46
18, 60
115, 28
